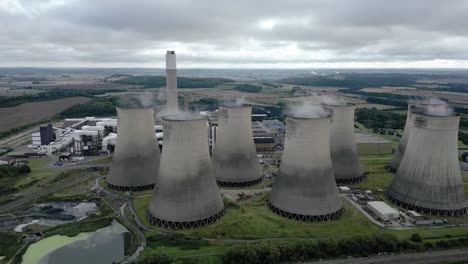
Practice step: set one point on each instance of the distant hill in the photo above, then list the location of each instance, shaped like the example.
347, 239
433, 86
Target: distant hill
355, 80
182, 82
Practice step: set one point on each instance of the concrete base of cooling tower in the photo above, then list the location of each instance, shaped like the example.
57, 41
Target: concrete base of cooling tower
306, 218
423, 210
350, 180
184, 225
239, 184
130, 188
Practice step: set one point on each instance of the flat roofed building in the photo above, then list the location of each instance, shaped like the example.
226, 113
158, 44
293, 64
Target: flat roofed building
382, 210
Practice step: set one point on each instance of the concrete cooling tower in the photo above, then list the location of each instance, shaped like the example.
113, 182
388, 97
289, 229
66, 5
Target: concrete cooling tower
171, 83
135, 162
234, 157
186, 194
428, 179
305, 187
343, 148
413, 107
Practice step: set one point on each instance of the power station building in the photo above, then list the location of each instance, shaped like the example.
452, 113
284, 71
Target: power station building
428, 178
343, 148
135, 163
234, 158
413, 107
171, 83
305, 188
186, 194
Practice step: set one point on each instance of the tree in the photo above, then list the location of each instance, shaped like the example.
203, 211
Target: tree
24, 169
249, 88
464, 156
416, 237
157, 258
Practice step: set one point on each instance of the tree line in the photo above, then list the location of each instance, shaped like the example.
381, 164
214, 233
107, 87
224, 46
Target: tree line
248, 88
377, 119
274, 252
10, 101
182, 82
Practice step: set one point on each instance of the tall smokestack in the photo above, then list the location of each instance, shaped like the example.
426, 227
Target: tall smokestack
428, 178
305, 187
344, 155
419, 106
171, 82
186, 194
234, 157
135, 162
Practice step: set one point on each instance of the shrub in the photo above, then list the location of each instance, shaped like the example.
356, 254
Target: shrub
156, 258
416, 237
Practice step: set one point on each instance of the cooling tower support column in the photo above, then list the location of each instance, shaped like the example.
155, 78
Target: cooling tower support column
234, 158
305, 187
428, 178
171, 83
343, 148
135, 162
186, 194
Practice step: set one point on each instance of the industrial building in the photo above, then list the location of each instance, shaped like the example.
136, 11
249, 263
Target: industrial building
428, 179
172, 106
135, 163
382, 210
186, 194
343, 148
234, 157
305, 188
413, 107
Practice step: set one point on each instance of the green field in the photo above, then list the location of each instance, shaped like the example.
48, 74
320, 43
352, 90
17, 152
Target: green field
252, 219
38, 163
377, 176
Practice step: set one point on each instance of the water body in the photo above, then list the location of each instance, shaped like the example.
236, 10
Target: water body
105, 245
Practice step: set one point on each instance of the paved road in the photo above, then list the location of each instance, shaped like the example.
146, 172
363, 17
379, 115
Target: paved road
413, 258
142, 236
359, 208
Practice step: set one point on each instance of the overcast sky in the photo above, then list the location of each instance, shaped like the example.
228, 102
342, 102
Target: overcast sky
235, 33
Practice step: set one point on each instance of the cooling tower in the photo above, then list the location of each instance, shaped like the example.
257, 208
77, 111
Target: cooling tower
234, 158
343, 148
428, 178
305, 187
171, 82
413, 107
135, 162
186, 194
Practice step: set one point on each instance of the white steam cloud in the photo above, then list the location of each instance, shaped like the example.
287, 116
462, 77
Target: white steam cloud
313, 106
240, 101
435, 107
306, 109
332, 100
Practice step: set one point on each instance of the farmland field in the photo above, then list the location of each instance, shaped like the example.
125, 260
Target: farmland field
28, 113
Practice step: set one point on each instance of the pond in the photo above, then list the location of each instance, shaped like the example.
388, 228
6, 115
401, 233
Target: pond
105, 245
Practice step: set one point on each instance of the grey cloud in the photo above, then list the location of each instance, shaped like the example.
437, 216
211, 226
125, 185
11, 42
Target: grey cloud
90, 32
